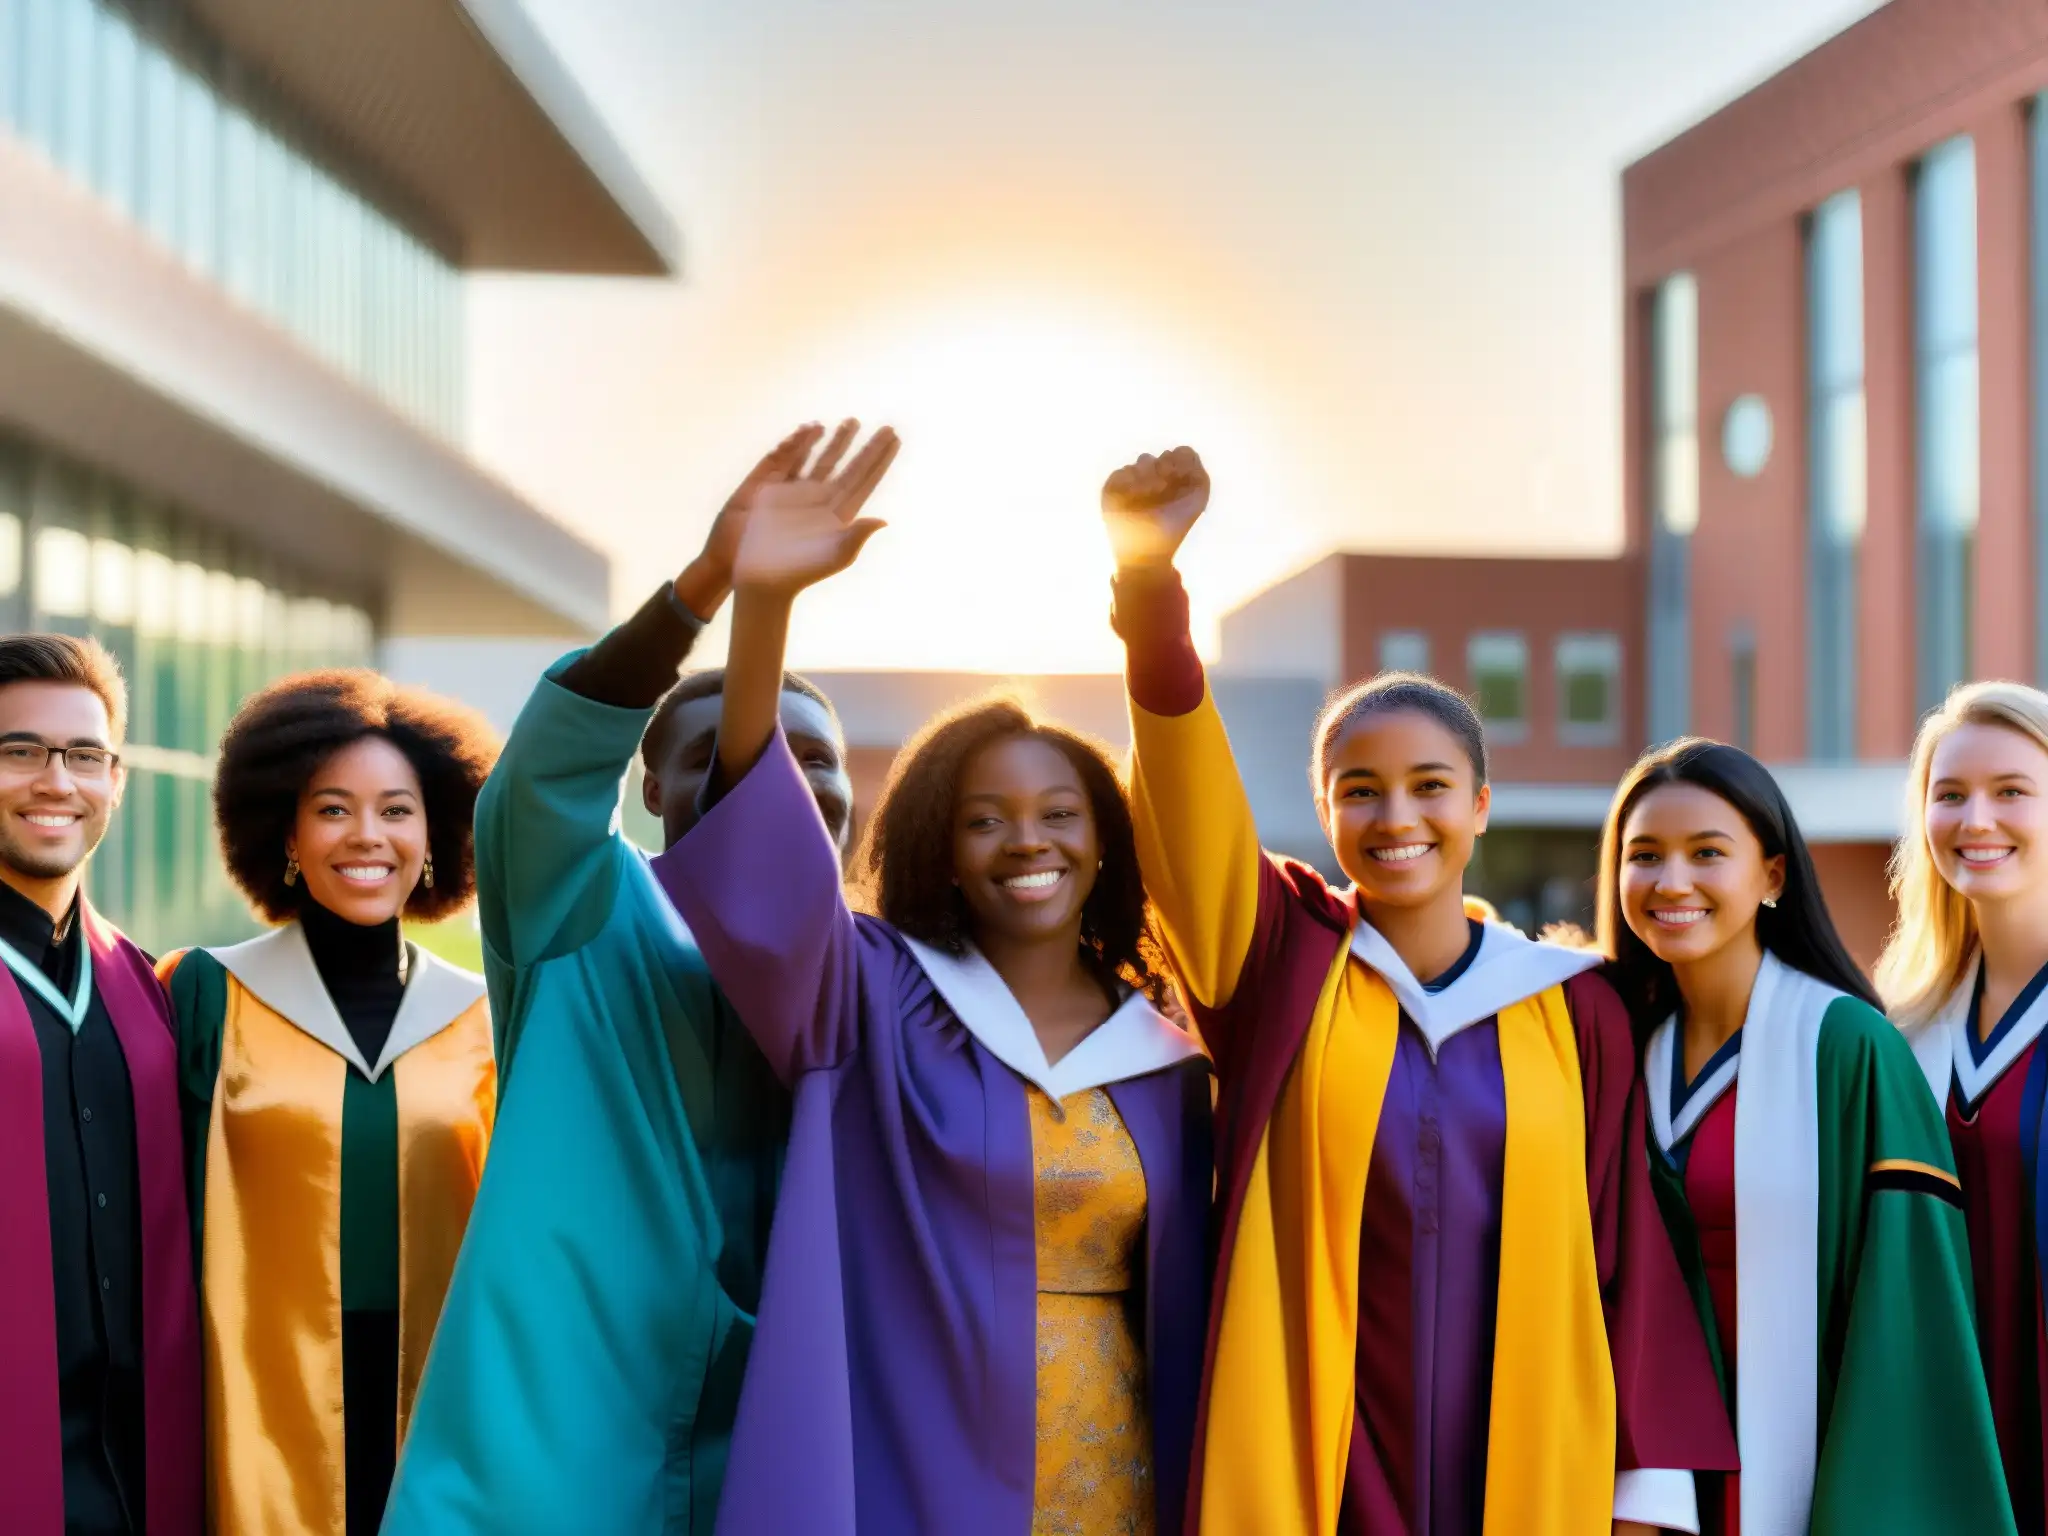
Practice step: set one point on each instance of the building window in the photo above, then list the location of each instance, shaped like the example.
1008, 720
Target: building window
141, 106
196, 625
1589, 690
1742, 685
1499, 666
1674, 497
1404, 650
1837, 496
1945, 376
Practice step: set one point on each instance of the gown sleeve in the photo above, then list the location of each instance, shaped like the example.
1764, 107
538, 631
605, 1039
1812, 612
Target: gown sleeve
198, 987
1907, 1440
1670, 1419
587, 1364
1212, 885
757, 882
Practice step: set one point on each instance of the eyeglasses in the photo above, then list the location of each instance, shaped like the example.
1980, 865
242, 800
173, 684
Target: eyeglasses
21, 759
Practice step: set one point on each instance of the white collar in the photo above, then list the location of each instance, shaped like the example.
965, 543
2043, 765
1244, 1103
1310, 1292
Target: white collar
1776, 985
1134, 1040
1657, 1069
1507, 969
278, 968
1943, 1044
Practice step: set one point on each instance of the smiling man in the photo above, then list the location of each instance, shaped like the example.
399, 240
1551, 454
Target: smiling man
99, 1330
588, 1363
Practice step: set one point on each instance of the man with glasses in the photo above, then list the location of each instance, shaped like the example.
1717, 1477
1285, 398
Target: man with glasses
99, 1329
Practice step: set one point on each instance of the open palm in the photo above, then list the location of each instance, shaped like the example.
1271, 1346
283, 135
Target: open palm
1150, 505
798, 532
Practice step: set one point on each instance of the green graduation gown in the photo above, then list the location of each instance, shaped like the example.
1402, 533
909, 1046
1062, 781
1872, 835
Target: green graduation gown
589, 1358
1859, 1396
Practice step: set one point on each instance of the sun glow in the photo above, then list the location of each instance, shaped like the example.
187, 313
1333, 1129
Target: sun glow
1012, 412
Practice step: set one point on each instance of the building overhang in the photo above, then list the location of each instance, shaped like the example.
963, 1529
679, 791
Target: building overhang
1537, 807
462, 108
115, 353
1859, 802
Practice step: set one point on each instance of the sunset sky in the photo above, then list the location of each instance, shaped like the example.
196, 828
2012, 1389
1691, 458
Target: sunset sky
1363, 255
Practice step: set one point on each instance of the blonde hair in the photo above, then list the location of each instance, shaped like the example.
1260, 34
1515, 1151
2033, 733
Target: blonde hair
1935, 934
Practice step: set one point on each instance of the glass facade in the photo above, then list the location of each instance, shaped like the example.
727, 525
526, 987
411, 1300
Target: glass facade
1674, 499
1498, 663
1945, 389
133, 100
1837, 495
1742, 685
197, 623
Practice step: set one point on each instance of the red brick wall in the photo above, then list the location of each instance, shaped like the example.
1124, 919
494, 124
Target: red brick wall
1884, 621
1749, 553
1852, 879
1449, 598
1875, 95
1727, 200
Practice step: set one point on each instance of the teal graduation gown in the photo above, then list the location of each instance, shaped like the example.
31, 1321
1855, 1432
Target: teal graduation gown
588, 1362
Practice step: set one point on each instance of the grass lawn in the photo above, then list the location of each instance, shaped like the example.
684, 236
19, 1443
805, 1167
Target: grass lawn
458, 940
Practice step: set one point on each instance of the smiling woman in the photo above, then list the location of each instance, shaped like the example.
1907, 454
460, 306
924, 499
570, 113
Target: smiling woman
997, 1184
942, 861
324, 1067
1793, 1142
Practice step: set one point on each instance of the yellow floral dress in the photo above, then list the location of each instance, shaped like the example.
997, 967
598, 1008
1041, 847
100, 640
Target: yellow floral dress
1094, 1433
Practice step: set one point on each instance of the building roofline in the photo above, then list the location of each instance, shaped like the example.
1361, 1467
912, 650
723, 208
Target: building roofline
1824, 41
463, 110
112, 351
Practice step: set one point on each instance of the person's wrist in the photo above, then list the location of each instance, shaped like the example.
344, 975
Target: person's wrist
703, 587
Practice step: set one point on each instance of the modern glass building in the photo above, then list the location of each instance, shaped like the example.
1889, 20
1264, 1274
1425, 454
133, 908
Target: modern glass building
232, 243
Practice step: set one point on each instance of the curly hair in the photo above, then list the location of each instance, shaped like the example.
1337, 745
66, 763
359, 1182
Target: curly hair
281, 736
903, 872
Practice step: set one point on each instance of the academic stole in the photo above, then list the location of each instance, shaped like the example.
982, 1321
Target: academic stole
272, 1257
1284, 1396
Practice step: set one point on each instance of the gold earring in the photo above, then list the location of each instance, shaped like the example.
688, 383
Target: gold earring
291, 870
427, 874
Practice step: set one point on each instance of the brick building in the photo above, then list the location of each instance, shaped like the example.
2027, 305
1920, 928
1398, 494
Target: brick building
1833, 347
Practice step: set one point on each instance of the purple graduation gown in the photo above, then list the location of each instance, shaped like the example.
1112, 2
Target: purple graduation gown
892, 1386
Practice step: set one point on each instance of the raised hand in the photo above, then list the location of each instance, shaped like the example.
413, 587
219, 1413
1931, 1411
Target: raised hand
1149, 505
707, 581
798, 531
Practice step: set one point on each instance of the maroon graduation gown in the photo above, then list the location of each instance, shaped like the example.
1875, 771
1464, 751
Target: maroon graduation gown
31, 1452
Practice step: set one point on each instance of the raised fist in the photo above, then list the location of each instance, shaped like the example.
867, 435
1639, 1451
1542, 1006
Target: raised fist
1148, 506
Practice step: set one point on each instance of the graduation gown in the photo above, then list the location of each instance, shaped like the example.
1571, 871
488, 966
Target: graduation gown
1992, 1089
588, 1364
1858, 1395
318, 1179
1355, 1345
892, 1388
31, 1452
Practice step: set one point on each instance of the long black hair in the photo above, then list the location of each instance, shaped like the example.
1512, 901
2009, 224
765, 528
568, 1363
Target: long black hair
1798, 930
